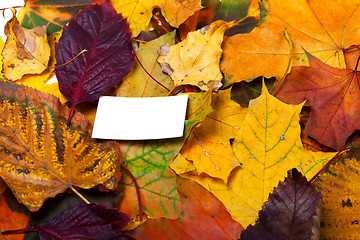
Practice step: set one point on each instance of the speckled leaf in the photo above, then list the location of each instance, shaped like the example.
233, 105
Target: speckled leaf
39, 156
339, 186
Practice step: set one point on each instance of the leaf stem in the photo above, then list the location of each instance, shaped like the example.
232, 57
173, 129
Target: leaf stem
333, 158
137, 58
23, 230
79, 194
137, 191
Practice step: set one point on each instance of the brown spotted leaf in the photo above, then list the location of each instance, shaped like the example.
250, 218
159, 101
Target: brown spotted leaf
39, 156
291, 212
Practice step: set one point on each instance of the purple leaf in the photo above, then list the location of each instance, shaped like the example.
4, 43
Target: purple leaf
291, 212
89, 221
106, 36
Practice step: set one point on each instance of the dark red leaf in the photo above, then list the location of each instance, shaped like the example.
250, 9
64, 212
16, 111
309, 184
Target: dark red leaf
105, 35
291, 212
82, 221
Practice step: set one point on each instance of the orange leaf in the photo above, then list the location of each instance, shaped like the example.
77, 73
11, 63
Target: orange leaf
204, 217
333, 95
265, 51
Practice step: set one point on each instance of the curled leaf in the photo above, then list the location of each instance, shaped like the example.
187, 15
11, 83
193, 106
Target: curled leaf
105, 36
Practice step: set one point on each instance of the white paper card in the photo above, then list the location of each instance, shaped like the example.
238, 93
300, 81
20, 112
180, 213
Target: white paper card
124, 118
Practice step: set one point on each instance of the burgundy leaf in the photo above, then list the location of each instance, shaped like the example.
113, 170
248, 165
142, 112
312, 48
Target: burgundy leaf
82, 221
106, 36
291, 212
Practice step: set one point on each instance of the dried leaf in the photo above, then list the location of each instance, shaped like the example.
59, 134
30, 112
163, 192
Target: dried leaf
291, 212
40, 157
265, 51
25, 51
88, 221
204, 217
139, 13
267, 144
333, 95
58, 13
108, 59
196, 60
138, 83
339, 186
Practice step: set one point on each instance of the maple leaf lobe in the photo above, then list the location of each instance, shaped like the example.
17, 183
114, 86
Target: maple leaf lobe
105, 35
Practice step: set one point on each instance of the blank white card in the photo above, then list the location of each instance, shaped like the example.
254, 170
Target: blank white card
124, 118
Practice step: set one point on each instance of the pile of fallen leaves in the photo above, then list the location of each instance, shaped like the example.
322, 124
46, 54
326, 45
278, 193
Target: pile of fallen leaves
273, 101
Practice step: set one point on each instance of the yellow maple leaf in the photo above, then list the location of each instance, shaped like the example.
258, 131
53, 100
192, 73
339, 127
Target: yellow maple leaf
265, 51
268, 145
208, 148
25, 51
139, 12
196, 60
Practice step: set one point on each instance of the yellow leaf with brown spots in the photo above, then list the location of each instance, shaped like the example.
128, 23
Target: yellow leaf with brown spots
268, 144
196, 60
39, 81
25, 51
39, 156
139, 12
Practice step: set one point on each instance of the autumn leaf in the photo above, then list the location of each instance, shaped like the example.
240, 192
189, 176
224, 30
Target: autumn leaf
138, 83
25, 51
208, 148
139, 13
39, 81
82, 221
267, 144
108, 59
58, 14
291, 212
148, 162
196, 60
333, 95
13, 215
339, 186
204, 217
265, 51
40, 156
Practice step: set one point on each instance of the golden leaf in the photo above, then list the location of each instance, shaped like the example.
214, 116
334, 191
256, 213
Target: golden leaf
139, 12
25, 51
39, 156
196, 60
268, 145
208, 148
